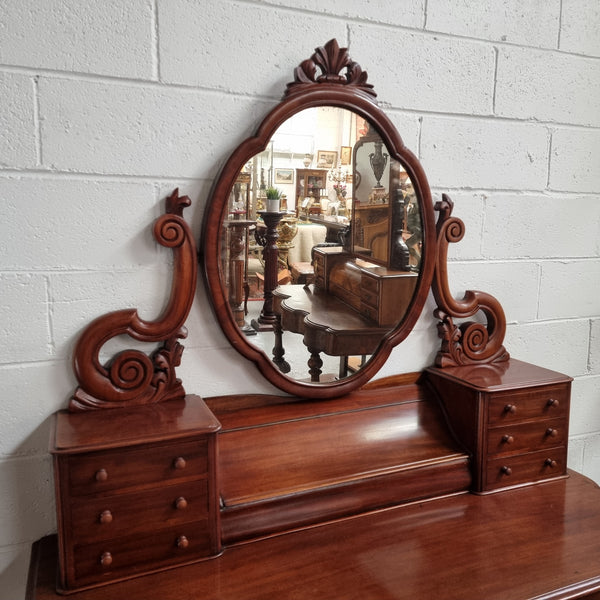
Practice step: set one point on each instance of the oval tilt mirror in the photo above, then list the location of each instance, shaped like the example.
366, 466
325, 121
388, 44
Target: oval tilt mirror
319, 236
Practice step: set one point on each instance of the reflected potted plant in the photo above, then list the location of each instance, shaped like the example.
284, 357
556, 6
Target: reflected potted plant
273, 199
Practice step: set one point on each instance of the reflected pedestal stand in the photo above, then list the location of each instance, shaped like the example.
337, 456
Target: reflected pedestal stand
268, 318
238, 275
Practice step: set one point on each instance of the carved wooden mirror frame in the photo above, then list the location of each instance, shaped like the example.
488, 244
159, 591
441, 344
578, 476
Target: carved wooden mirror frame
133, 377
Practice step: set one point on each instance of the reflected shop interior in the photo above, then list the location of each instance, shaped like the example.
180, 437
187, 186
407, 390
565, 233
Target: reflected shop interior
320, 249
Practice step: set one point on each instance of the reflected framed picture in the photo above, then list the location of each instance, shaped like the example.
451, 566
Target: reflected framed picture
345, 155
284, 175
326, 159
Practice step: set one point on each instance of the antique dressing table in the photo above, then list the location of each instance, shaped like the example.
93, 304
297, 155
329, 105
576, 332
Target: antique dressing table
450, 483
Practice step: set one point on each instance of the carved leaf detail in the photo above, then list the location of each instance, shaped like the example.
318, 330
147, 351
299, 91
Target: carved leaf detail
330, 60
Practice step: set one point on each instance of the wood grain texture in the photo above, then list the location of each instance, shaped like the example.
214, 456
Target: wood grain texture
537, 543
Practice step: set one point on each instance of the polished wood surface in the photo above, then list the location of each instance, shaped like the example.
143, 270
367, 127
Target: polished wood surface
464, 342
513, 417
530, 543
135, 489
132, 377
314, 463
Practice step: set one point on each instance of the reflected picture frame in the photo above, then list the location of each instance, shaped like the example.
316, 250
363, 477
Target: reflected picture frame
326, 159
345, 155
283, 176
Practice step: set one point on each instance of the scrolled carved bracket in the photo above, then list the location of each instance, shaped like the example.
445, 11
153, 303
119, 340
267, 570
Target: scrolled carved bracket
470, 342
329, 60
132, 377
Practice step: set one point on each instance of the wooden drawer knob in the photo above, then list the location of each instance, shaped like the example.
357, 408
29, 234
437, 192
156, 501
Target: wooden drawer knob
506, 470
106, 559
182, 542
181, 503
510, 408
179, 462
550, 463
553, 402
101, 475
551, 432
507, 439
105, 517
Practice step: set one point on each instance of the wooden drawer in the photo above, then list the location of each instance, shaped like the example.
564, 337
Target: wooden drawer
107, 560
534, 403
524, 468
123, 468
527, 437
105, 517
369, 312
370, 284
370, 298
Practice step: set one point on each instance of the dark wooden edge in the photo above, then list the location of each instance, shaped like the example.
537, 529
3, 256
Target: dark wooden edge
471, 342
330, 89
132, 377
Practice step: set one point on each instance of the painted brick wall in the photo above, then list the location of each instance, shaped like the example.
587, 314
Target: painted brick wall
107, 106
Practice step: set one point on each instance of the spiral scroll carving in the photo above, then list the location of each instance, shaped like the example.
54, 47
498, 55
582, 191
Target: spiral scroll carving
132, 377
329, 60
470, 342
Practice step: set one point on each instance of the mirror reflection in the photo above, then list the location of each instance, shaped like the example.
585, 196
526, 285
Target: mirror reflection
321, 245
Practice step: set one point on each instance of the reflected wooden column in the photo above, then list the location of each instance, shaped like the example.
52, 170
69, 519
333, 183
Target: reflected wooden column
238, 282
268, 318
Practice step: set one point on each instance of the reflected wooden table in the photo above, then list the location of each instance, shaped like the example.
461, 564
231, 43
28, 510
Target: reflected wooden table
327, 325
537, 542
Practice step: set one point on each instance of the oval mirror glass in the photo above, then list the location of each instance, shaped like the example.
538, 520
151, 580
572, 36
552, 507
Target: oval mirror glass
315, 241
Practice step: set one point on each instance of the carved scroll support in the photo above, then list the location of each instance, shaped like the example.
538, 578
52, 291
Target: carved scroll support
133, 377
471, 342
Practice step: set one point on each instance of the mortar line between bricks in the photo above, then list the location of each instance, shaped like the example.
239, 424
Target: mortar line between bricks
155, 42
37, 125
384, 105
415, 29
175, 180
560, 16
495, 84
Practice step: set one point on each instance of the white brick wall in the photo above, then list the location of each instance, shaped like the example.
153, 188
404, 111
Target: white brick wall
107, 106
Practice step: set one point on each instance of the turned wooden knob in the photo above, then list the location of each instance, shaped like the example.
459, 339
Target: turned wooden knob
181, 503
101, 475
507, 439
551, 432
182, 542
506, 470
105, 517
106, 559
553, 402
550, 463
179, 462
510, 408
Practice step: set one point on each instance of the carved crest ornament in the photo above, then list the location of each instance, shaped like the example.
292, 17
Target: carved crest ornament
133, 377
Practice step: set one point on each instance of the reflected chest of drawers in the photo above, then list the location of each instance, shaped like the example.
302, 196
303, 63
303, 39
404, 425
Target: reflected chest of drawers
512, 417
136, 490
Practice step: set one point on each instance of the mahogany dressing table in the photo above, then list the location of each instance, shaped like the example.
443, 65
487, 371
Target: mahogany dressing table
450, 483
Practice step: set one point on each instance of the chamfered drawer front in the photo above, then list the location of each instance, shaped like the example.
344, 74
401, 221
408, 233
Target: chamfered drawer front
527, 437
106, 560
105, 517
544, 402
121, 468
522, 468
